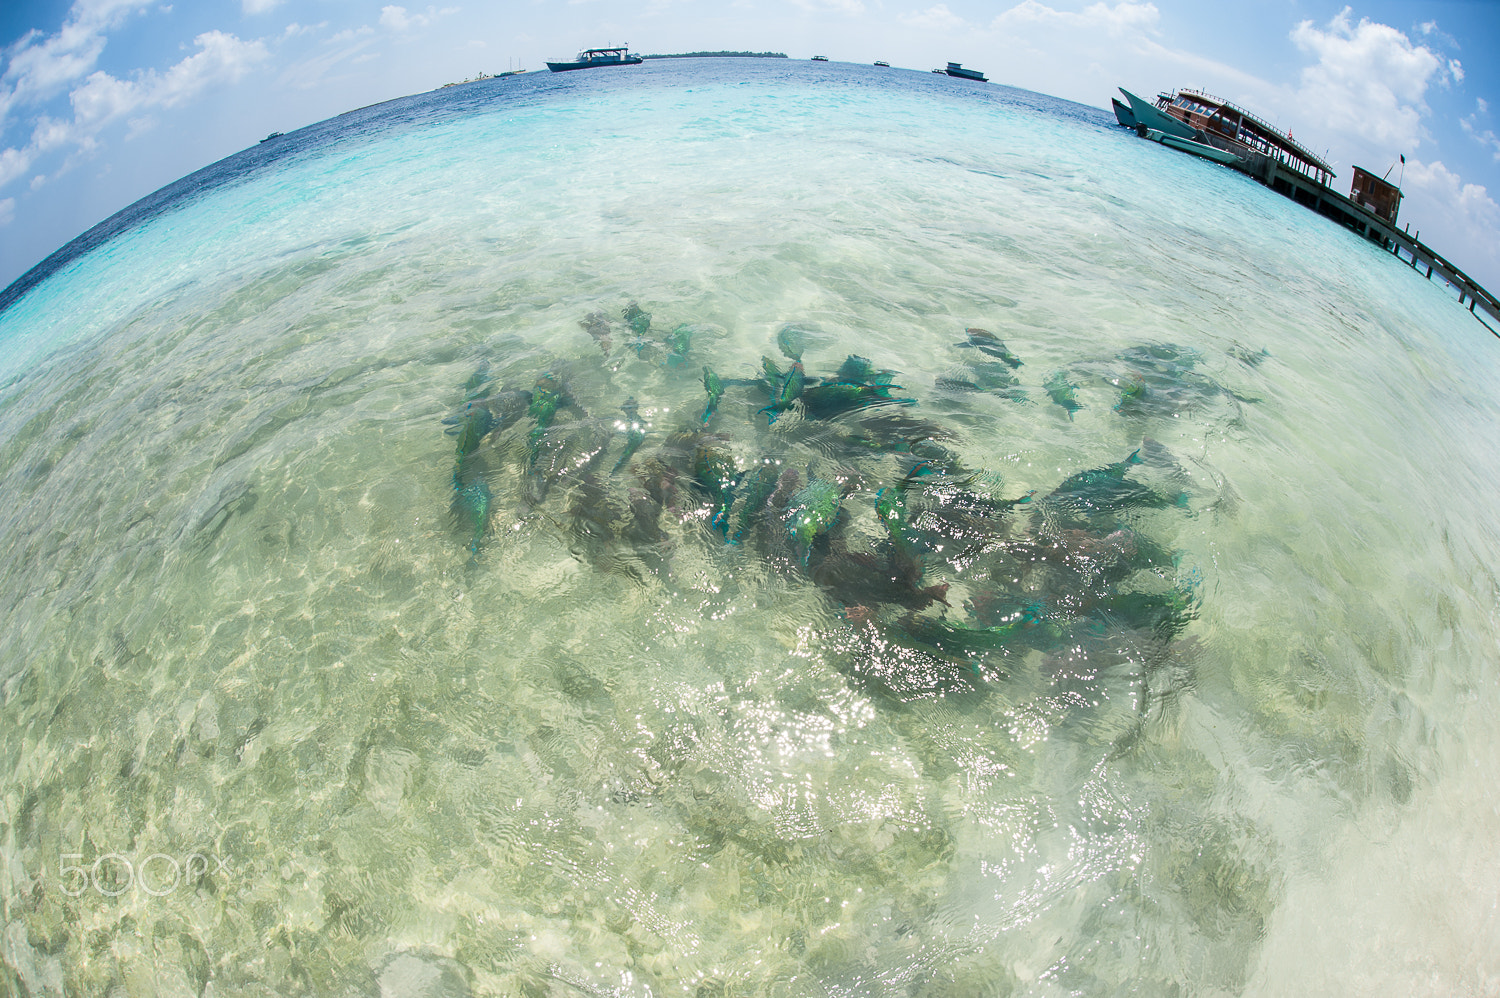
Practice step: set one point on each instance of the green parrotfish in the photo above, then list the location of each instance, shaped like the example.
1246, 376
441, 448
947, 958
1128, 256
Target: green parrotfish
1060, 390
787, 392
715, 389
792, 341
635, 433
813, 511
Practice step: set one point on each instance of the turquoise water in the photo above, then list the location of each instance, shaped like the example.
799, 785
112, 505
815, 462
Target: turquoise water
277, 721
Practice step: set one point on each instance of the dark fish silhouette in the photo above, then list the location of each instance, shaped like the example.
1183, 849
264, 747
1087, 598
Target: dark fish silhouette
1060, 390
635, 434
787, 393
596, 324
812, 512
638, 320
791, 341
988, 343
715, 389
471, 505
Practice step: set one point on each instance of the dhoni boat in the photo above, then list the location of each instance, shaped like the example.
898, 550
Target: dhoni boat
594, 58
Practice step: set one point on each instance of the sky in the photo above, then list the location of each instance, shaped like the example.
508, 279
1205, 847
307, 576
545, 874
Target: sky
105, 101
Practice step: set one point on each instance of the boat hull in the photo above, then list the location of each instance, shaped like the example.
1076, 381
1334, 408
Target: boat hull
563, 67
955, 70
1189, 146
1122, 113
1146, 113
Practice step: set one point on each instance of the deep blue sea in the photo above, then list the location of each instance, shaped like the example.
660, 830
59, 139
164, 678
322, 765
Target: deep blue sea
743, 527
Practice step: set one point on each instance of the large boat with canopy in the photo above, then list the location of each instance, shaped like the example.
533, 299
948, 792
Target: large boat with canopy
594, 58
1194, 118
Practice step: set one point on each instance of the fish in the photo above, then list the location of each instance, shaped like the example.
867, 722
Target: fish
988, 376
1031, 625
812, 513
771, 376
715, 389
791, 341
548, 395
596, 324
679, 342
890, 509
1132, 390
475, 387
856, 370
473, 425
638, 320
1107, 490
635, 434
471, 504
786, 393
504, 409
836, 398
565, 454
988, 343
1163, 614
752, 493
861, 579
713, 471
1060, 390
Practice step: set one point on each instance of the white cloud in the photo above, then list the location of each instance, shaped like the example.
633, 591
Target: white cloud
397, 19
39, 67
102, 98
1472, 201
13, 163
294, 29
1123, 17
1369, 80
259, 6
1482, 104
832, 6
1485, 137
7, 211
935, 18
316, 70
1456, 70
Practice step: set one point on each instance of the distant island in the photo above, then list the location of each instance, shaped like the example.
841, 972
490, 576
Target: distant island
720, 55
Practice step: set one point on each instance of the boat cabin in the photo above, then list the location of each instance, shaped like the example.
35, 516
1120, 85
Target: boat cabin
1231, 127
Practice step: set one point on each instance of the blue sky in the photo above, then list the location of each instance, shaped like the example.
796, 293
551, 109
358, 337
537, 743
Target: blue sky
103, 101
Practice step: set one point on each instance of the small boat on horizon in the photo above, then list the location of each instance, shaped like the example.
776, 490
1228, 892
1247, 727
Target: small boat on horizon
882, 62
273, 135
955, 69
820, 58
594, 58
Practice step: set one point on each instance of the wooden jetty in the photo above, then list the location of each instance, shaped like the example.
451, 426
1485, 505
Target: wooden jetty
1356, 216
1209, 126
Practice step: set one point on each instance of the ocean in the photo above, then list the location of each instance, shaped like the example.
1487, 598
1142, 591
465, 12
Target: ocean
743, 527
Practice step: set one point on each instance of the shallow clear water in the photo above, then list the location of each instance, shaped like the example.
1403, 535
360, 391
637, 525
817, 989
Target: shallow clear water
277, 722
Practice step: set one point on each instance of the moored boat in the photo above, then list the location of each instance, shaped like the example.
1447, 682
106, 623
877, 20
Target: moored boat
594, 58
956, 69
1188, 145
1195, 117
